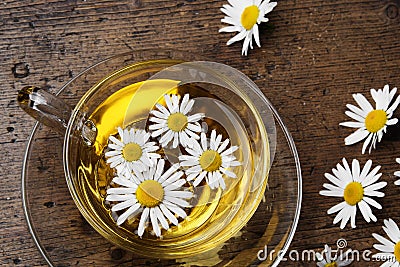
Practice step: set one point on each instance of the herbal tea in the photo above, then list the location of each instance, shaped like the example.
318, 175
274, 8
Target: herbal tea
207, 205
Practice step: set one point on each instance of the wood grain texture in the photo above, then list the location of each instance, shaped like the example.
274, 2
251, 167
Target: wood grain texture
314, 55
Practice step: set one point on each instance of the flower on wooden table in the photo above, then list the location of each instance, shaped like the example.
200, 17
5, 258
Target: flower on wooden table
356, 187
327, 259
371, 123
397, 173
244, 17
390, 248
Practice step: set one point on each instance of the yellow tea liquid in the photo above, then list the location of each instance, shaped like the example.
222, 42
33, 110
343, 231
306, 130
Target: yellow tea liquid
213, 212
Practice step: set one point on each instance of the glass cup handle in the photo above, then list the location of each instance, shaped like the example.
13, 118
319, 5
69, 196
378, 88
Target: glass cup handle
52, 112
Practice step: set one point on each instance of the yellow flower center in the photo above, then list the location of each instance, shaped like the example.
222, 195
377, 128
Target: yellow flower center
397, 251
249, 17
210, 160
332, 264
177, 122
150, 193
375, 120
132, 152
353, 193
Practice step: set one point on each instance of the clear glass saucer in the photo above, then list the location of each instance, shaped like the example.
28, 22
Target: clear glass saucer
64, 238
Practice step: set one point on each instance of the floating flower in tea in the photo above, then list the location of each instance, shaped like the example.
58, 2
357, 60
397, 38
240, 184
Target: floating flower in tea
133, 152
209, 160
156, 194
173, 123
142, 186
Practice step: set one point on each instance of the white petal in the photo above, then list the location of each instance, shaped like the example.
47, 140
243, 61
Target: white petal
116, 141
168, 101
168, 173
199, 178
175, 185
363, 102
158, 120
184, 102
374, 187
352, 124
203, 141
159, 131
143, 220
256, 35
154, 222
125, 204
330, 193
195, 117
167, 137
336, 181
231, 29
121, 191
228, 173
246, 45
172, 179
159, 114
372, 202
157, 126
223, 146
188, 107
122, 218
240, 36
355, 116
358, 111
372, 177
355, 166
124, 182
356, 137
176, 140
179, 194
384, 241
161, 218
392, 230
112, 153
171, 217
174, 208
195, 169
229, 151
337, 207
120, 197
176, 201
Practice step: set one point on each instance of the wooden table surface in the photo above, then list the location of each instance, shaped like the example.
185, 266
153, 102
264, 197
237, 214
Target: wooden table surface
314, 55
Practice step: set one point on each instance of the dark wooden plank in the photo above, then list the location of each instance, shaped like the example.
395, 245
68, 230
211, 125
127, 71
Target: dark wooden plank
314, 55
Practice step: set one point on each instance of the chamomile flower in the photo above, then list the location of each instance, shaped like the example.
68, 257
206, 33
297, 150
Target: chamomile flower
244, 17
153, 193
210, 160
371, 123
132, 152
174, 123
397, 173
390, 249
328, 260
356, 187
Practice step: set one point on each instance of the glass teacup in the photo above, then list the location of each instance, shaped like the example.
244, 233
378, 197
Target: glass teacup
232, 105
